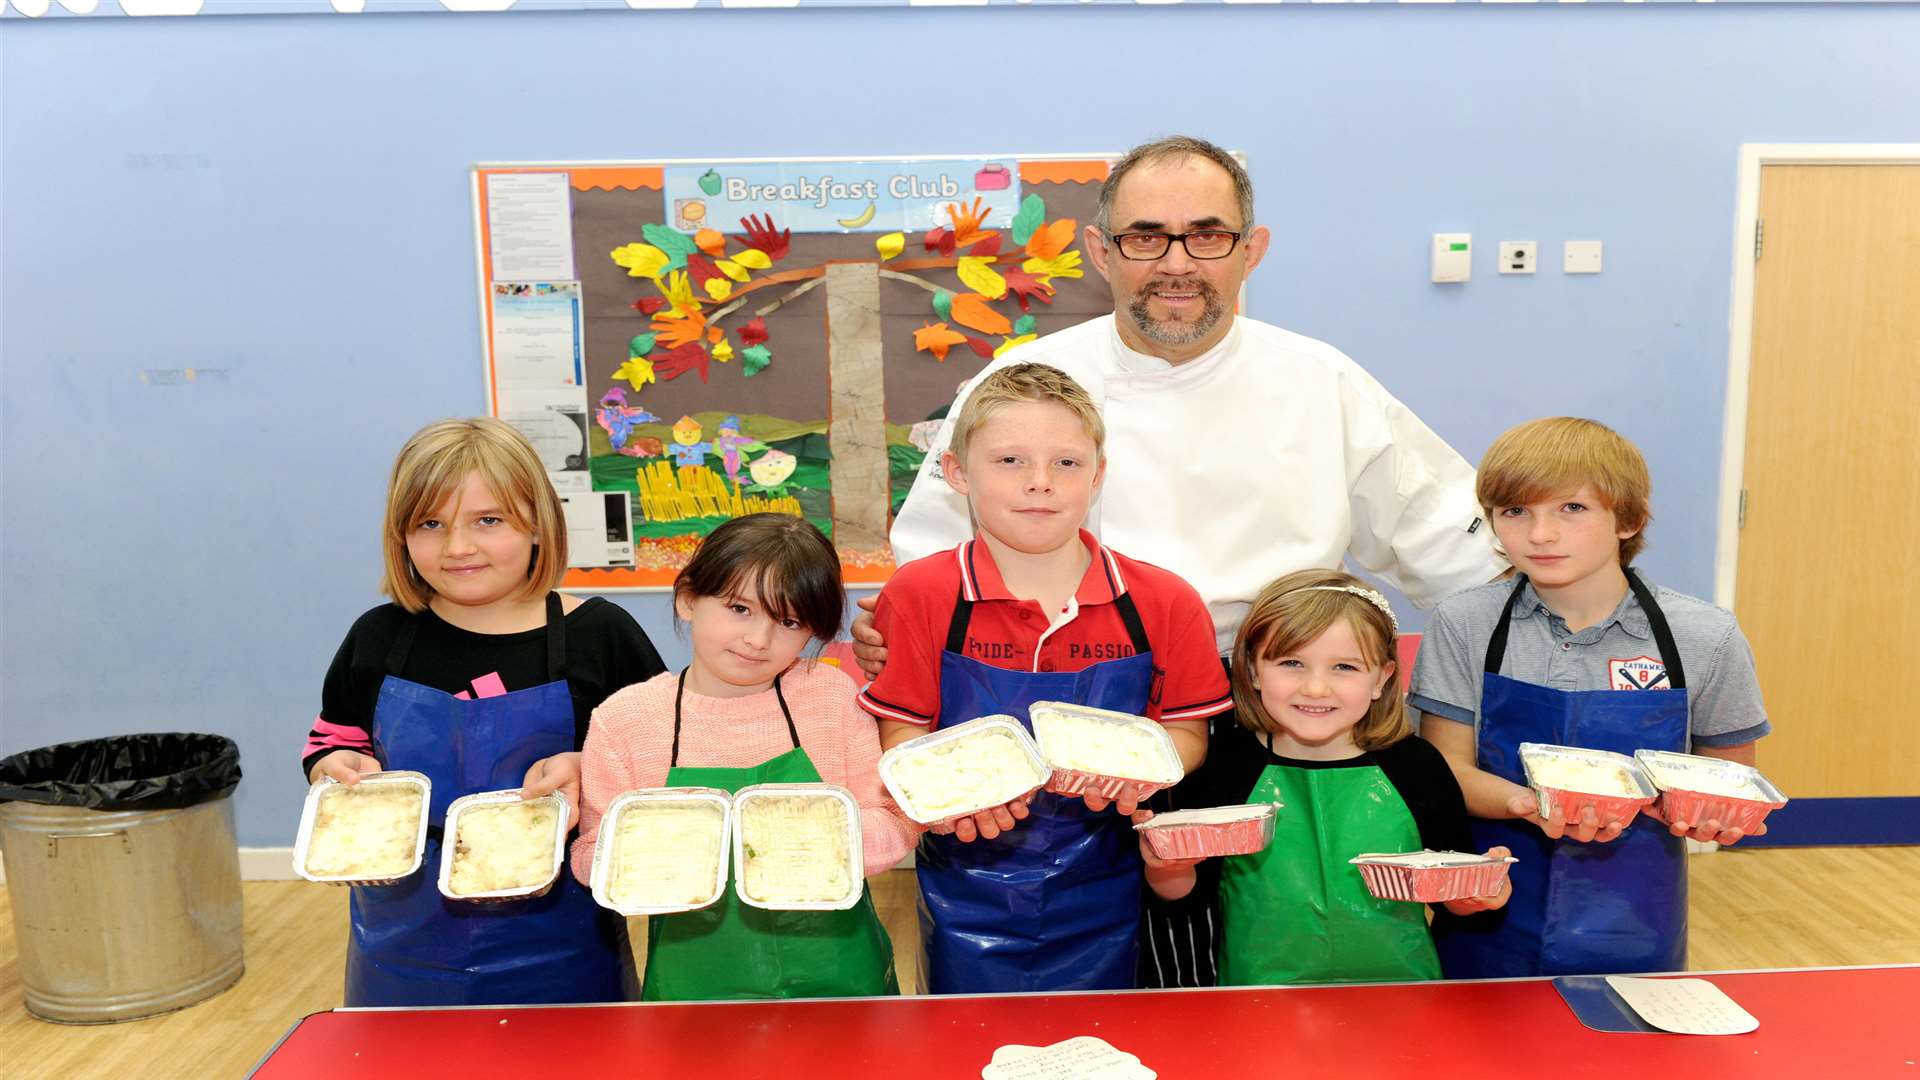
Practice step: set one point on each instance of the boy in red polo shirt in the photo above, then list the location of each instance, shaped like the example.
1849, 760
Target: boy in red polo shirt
1034, 608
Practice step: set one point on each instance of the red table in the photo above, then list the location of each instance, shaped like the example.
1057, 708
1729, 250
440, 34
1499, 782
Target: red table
1820, 1022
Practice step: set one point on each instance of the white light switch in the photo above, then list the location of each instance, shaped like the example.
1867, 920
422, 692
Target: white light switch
1452, 257
1582, 257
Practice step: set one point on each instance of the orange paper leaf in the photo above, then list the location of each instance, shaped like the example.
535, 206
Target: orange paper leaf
966, 221
971, 310
1051, 239
711, 242
937, 338
677, 332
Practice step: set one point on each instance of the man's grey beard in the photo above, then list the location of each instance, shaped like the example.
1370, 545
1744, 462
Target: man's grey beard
1172, 332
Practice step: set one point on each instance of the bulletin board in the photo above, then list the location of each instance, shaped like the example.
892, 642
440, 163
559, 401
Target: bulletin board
688, 341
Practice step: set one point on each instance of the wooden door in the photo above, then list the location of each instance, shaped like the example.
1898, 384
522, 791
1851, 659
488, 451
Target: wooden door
1828, 584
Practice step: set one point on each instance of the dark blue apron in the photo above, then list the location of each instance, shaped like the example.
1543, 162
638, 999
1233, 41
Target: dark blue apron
411, 946
1055, 903
1577, 909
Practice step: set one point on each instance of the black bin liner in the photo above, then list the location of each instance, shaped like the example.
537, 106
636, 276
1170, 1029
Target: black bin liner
152, 771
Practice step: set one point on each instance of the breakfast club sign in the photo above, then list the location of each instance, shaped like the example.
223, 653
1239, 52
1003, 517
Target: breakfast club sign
841, 196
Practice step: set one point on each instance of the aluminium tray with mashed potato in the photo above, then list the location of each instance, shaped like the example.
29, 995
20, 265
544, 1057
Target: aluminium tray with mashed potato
797, 847
500, 847
958, 771
663, 850
373, 832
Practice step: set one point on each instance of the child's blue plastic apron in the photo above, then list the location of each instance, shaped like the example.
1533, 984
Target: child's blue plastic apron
411, 946
1577, 909
1053, 904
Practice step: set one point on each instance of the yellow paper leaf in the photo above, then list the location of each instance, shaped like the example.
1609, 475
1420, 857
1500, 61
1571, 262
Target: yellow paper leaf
678, 290
753, 259
732, 269
719, 288
641, 260
638, 371
1008, 343
1064, 265
981, 277
711, 242
971, 310
723, 352
890, 245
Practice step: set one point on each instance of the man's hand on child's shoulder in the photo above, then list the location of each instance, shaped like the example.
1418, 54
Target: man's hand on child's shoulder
869, 648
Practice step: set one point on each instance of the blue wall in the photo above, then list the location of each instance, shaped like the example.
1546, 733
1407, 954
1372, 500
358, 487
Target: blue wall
284, 201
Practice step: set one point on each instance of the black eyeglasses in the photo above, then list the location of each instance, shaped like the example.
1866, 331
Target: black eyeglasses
1200, 243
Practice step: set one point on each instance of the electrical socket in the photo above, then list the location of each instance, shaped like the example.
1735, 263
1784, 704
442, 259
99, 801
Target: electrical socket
1519, 256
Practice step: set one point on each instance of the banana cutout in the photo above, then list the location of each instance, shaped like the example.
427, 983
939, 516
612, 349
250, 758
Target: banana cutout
865, 216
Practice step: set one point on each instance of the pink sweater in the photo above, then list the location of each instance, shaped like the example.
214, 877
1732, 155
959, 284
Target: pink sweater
630, 743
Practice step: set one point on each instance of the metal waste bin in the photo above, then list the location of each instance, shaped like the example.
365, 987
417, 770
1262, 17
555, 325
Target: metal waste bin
124, 874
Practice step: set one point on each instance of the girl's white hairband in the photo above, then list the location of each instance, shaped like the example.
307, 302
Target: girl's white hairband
1368, 595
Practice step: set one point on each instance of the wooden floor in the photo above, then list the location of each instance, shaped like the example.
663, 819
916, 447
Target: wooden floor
1751, 909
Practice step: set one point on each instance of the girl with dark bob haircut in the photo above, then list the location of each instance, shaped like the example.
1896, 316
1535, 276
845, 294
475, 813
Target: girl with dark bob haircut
748, 710
782, 561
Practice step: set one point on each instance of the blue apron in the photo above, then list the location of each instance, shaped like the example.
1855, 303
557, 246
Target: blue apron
1577, 909
411, 946
1053, 904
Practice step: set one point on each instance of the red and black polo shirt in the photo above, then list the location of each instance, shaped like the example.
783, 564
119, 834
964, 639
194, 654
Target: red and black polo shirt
916, 609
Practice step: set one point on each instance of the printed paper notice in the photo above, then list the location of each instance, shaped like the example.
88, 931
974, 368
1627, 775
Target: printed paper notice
1684, 1006
530, 221
559, 436
1083, 1057
538, 335
599, 528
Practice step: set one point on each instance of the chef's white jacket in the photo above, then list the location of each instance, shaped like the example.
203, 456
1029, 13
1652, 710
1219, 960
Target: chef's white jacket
1271, 453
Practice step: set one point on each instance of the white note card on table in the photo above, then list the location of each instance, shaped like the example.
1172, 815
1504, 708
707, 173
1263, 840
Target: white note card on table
1083, 1057
1684, 1006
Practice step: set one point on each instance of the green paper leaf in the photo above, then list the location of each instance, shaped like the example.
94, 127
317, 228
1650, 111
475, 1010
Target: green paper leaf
1023, 326
641, 345
753, 358
943, 305
677, 245
1033, 213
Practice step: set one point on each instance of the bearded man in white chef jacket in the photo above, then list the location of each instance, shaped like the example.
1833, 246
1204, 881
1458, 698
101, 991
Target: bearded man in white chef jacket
1236, 451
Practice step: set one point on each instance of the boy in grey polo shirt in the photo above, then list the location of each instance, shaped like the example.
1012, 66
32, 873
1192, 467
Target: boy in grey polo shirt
1723, 694
1578, 651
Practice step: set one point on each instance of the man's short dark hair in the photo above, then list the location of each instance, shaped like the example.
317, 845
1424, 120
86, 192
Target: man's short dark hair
1171, 147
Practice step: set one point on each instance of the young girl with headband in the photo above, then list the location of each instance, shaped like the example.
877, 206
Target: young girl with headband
1323, 732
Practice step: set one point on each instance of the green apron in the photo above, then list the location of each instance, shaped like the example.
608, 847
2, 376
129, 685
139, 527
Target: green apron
1298, 912
735, 950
